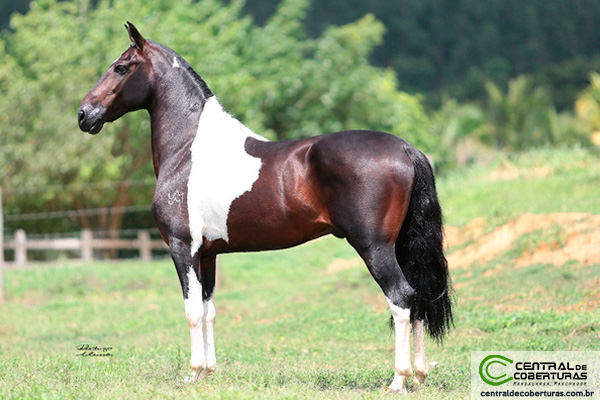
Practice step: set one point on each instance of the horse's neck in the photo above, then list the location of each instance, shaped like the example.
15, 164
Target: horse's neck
172, 133
198, 126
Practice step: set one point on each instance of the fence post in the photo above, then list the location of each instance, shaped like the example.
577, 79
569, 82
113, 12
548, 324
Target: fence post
1, 250
87, 250
145, 245
20, 248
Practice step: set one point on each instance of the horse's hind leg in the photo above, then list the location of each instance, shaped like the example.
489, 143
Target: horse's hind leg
421, 366
373, 234
381, 261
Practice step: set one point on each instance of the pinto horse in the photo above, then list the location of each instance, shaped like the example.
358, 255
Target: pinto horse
222, 188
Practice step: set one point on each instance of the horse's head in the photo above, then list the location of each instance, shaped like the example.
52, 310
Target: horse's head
124, 87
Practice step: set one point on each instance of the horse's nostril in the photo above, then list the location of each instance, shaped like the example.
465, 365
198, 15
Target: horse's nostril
80, 115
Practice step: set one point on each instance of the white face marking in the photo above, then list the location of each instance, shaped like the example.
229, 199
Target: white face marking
402, 363
221, 172
176, 63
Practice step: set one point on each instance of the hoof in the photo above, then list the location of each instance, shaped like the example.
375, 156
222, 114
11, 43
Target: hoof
209, 370
420, 376
394, 389
397, 385
192, 377
422, 373
196, 375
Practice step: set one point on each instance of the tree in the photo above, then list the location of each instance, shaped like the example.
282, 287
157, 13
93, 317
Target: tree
441, 47
275, 79
8, 7
524, 117
587, 108
459, 129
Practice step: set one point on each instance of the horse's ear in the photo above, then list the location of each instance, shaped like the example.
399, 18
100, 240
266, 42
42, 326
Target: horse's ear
135, 35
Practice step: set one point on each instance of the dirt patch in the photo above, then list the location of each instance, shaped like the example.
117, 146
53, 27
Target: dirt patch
507, 171
455, 236
580, 247
341, 264
510, 171
580, 243
7, 330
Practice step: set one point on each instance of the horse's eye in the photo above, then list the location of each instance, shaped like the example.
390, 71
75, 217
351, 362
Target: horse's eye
121, 69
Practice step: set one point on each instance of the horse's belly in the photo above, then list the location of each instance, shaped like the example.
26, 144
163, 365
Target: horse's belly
258, 235
264, 219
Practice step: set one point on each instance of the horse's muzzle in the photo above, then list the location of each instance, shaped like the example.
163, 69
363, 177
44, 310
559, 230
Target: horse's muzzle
90, 118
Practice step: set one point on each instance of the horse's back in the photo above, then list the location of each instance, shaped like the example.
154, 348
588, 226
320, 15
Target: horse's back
363, 141
361, 156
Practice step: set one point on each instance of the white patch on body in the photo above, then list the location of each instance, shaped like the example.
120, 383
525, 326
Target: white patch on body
401, 318
176, 63
221, 172
194, 312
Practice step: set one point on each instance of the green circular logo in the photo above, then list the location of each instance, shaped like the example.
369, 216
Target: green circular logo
485, 374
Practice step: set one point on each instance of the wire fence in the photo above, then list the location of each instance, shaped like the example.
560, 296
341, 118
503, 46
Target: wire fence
19, 248
121, 233
87, 212
78, 186
64, 234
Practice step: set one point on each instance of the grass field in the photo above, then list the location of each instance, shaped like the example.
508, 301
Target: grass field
307, 322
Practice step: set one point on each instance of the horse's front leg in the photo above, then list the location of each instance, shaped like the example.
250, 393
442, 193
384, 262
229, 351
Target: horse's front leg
207, 278
189, 272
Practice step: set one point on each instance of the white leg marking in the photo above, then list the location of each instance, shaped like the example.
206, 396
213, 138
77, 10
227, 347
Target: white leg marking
194, 312
219, 147
402, 363
209, 337
421, 366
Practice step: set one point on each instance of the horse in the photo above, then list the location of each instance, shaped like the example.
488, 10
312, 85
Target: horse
222, 188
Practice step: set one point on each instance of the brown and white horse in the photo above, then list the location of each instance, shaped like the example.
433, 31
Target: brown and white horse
222, 188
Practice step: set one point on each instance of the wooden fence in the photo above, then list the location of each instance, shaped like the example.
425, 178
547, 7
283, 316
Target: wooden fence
1, 250
84, 245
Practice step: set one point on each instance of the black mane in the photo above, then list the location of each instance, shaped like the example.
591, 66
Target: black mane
195, 79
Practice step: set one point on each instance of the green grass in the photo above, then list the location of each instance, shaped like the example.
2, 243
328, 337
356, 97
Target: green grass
543, 181
285, 327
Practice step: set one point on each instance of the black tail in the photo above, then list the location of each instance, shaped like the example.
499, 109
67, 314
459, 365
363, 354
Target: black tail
420, 253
